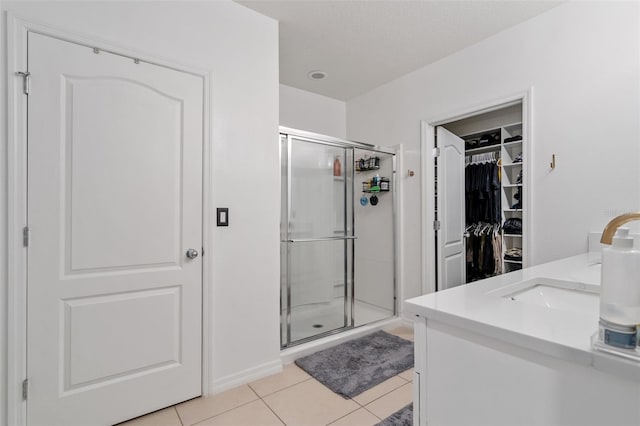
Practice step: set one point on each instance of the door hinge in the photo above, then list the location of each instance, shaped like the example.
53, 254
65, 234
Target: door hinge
26, 236
25, 389
436, 152
436, 225
26, 81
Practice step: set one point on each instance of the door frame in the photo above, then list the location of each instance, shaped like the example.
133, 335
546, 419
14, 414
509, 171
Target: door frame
428, 262
17, 30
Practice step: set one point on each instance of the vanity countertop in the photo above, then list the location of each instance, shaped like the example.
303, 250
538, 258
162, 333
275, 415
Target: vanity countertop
562, 333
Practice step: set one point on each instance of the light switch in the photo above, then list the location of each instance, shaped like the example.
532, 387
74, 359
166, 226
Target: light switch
223, 216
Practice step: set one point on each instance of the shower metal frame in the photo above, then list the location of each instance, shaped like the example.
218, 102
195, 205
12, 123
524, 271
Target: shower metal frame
287, 134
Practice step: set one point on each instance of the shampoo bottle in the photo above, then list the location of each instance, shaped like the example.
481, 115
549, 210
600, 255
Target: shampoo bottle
620, 292
337, 167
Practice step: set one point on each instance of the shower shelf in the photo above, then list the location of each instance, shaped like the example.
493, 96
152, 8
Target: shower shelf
368, 169
367, 164
383, 186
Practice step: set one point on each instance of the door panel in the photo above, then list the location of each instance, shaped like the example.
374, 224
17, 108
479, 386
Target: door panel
374, 265
148, 122
316, 240
450, 240
318, 198
115, 200
317, 297
91, 331
453, 271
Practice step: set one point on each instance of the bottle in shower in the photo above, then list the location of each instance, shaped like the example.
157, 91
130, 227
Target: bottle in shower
337, 167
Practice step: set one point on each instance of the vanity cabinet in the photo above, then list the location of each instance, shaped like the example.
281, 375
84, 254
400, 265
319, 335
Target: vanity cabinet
485, 356
463, 378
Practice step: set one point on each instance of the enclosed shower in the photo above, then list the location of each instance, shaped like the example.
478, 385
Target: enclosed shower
337, 235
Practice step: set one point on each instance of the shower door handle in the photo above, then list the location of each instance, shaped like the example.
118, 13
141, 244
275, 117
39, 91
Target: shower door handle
309, 240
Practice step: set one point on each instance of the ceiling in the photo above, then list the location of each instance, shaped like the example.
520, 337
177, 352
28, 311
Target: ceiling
363, 44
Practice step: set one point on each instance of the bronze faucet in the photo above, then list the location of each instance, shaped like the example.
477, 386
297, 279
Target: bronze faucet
615, 223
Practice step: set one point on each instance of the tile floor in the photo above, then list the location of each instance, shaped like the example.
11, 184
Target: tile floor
291, 398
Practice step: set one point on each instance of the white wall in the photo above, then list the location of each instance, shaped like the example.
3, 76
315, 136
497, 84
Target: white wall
486, 121
583, 61
308, 111
240, 47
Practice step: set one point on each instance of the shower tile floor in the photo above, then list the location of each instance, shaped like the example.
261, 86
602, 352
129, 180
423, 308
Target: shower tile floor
291, 398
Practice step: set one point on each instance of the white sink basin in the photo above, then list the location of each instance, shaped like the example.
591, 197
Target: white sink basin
554, 294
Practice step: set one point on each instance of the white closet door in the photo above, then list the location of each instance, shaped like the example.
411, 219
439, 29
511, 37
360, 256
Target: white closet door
115, 202
450, 238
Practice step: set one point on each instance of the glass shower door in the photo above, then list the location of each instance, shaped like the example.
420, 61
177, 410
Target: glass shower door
317, 238
375, 285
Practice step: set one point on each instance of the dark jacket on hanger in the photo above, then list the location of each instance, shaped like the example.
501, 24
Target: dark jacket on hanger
482, 193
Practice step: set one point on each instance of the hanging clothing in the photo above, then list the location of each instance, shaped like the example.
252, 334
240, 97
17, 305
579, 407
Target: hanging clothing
484, 251
483, 202
497, 252
483, 215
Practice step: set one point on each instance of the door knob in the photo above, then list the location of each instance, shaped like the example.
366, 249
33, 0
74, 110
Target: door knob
192, 253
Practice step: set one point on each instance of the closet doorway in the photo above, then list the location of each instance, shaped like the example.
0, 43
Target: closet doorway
477, 200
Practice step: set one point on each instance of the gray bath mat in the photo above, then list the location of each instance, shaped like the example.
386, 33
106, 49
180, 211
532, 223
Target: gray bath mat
357, 365
402, 417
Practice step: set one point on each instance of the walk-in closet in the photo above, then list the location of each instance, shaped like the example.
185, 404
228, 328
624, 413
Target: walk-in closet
480, 167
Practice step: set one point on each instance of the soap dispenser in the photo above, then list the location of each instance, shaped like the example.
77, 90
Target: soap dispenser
620, 292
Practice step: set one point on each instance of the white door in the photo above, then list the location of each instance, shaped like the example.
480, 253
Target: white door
115, 201
451, 192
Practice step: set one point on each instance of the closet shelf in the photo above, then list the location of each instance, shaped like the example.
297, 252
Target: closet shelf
512, 164
515, 125
480, 150
512, 235
513, 261
512, 210
514, 143
514, 185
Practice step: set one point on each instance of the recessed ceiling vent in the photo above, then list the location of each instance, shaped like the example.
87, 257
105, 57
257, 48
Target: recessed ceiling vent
317, 75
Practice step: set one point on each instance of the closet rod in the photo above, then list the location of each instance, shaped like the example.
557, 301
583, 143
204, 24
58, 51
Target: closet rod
483, 149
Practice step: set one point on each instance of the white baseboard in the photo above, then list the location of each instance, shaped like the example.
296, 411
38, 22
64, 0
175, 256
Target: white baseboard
245, 376
287, 356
